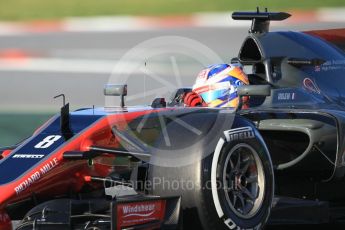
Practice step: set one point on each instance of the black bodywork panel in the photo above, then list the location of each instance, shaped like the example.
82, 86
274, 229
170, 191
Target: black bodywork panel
305, 113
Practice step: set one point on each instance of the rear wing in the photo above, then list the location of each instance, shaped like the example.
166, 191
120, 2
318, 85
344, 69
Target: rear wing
260, 20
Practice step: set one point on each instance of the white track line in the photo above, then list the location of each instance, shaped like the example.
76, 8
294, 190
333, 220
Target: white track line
59, 65
104, 24
91, 66
331, 15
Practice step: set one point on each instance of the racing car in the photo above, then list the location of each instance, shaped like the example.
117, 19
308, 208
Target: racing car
167, 166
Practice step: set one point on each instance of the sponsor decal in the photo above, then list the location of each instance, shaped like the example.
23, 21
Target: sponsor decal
36, 175
310, 86
286, 96
231, 225
202, 76
138, 210
239, 83
331, 65
239, 133
140, 213
28, 156
317, 68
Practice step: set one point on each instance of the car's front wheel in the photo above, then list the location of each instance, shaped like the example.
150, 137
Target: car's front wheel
241, 186
234, 186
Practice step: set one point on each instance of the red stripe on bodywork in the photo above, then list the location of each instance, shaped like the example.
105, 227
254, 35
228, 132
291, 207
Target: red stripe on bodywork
332, 35
5, 153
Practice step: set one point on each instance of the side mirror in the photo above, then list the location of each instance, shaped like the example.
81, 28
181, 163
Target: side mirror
252, 90
159, 102
116, 90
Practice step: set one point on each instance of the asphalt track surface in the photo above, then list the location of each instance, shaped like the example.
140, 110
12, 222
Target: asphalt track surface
80, 64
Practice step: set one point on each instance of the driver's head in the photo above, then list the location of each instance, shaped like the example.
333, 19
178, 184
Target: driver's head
217, 84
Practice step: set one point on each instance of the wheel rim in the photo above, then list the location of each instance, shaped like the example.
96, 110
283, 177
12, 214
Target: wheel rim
243, 181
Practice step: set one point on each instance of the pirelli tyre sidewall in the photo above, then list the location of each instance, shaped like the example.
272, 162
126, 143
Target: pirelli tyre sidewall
218, 197
205, 205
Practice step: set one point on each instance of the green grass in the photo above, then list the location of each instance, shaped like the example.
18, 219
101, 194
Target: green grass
52, 9
18, 126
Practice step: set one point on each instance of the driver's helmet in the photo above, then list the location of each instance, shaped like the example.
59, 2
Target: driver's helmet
217, 84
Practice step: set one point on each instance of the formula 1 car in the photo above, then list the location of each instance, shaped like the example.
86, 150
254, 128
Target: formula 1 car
167, 166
